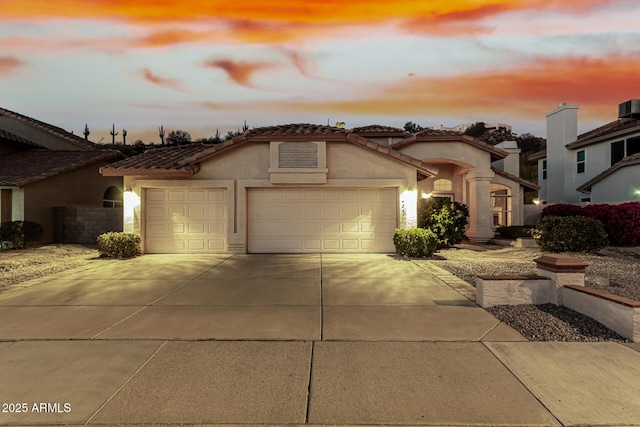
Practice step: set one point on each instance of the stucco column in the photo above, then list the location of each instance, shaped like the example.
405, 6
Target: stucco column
480, 230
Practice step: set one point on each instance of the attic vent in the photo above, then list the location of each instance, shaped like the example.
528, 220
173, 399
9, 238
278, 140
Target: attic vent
630, 108
298, 155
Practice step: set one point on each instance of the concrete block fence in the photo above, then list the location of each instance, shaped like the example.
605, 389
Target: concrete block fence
84, 225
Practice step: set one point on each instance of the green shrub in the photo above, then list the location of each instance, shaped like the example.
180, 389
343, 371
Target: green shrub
515, 231
19, 234
445, 218
119, 245
415, 242
573, 234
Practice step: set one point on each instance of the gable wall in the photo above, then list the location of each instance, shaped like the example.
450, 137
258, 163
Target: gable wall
457, 151
618, 187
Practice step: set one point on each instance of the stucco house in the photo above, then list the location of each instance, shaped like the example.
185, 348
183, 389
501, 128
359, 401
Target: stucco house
599, 166
49, 176
311, 188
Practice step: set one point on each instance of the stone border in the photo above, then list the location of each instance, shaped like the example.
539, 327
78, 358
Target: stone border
561, 282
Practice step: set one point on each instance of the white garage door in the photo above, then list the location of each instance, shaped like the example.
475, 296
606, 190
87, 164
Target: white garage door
321, 220
185, 220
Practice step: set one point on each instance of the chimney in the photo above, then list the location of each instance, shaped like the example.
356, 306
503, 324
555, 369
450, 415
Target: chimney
562, 128
510, 164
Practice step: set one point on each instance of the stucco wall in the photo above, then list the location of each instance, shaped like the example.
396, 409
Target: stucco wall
83, 187
457, 152
620, 186
250, 161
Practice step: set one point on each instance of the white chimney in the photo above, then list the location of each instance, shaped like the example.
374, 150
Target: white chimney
562, 128
510, 164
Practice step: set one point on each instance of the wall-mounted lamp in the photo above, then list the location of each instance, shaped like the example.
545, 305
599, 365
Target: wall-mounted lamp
426, 195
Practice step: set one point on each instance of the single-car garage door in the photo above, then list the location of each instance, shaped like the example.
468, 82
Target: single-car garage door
321, 220
185, 220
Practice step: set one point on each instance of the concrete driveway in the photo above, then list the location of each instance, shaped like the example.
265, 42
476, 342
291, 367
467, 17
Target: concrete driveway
289, 339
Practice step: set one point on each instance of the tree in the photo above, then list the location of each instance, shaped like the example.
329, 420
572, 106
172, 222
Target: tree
476, 130
412, 127
178, 137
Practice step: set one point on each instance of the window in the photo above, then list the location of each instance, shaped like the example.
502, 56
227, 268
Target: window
544, 169
501, 206
442, 185
617, 152
580, 155
112, 198
633, 146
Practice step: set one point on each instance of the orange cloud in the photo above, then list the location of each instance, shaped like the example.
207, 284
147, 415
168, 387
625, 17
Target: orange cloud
530, 90
8, 64
287, 11
238, 71
172, 84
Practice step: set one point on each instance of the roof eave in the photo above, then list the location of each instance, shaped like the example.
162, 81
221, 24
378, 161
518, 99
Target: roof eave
153, 172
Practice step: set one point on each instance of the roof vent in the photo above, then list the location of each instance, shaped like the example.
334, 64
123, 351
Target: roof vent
629, 109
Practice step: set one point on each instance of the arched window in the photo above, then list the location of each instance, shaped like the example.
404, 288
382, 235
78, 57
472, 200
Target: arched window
443, 185
112, 198
501, 207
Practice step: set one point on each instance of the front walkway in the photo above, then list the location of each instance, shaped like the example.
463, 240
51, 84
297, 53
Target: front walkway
289, 339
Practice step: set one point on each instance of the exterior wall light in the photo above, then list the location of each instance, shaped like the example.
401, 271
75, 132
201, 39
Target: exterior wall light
426, 195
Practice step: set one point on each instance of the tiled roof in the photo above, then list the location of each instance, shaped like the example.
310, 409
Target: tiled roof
433, 135
184, 159
75, 140
430, 131
379, 130
523, 182
8, 137
617, 127
29, 166
295, 129
157, 159
627, 161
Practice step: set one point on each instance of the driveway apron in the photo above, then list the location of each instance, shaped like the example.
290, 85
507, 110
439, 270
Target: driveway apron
280, 339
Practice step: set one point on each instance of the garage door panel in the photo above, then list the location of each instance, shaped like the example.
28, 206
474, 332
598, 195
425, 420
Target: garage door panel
185, 220
318, 220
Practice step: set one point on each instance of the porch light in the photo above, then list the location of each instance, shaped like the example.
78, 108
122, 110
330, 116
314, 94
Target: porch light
131, 201
637, 192
537, 202
426, 195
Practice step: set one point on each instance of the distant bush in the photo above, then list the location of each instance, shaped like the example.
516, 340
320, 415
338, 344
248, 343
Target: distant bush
562, 209
119, 245
572, 234
515, 231
445, 218
19, 234
621, 222
415, 242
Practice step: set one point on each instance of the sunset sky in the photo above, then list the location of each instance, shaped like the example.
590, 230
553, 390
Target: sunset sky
198, 65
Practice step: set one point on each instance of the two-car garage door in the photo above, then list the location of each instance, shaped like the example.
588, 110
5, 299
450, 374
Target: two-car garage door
278, 220
321, 220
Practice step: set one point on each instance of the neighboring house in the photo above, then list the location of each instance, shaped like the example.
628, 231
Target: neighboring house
600, 166
312, 188
51, 177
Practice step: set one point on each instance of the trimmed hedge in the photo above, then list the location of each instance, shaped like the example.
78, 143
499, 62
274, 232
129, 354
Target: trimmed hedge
571, 234
515, 231
19, 234
119, 245
415, 242
621, 222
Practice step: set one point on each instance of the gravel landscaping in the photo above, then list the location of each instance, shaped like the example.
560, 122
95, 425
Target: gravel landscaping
614, 270
17, 266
